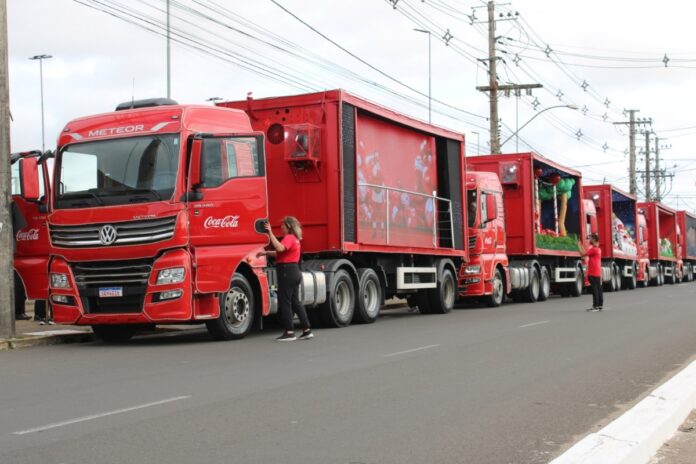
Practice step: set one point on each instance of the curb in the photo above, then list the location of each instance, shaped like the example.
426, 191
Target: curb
77, 336
639, 433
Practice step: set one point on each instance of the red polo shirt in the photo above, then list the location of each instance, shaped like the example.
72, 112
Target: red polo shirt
594, 266
292, 250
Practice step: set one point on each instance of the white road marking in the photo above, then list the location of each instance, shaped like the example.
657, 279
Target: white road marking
411, 350
100, 415
532, 324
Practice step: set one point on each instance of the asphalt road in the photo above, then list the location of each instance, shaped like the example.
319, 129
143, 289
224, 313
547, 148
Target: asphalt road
515, 384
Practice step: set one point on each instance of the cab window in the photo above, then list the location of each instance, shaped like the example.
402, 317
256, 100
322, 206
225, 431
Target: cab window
229, 158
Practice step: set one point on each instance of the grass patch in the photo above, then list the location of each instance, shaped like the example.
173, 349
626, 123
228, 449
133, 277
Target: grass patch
549, 242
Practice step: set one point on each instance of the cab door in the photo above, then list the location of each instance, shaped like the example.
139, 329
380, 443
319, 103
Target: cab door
31, 238
227, 206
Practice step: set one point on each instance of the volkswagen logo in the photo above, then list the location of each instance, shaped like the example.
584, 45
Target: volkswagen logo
107, 234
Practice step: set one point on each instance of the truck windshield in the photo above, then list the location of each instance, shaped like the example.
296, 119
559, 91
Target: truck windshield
115, 172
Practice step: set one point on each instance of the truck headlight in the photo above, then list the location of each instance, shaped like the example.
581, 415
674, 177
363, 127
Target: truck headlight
172, 275
59, 281
475, 269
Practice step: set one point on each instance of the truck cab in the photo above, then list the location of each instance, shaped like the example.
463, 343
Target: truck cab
156, 218
486, 276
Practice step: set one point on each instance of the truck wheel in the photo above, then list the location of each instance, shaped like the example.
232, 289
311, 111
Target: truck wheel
369, 298
441, 299
576, 287
544, 284
114, 333
610, 285
631, 281
236, 311
660, 276
339, 307
496, 298
618, 279
532, 292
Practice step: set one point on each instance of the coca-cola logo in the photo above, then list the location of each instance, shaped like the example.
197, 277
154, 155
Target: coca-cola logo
229, 222
27, 235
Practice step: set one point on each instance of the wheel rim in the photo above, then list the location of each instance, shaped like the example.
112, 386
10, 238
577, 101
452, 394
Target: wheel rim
342, 299
498, 289
370, 297
448, 291
535, 286
237, 307
546, 284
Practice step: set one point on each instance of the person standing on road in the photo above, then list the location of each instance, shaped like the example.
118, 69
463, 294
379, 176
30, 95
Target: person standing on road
594, 271
287, 254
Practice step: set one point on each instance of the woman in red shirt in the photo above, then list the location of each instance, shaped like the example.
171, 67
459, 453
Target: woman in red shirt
594, 271
287, 254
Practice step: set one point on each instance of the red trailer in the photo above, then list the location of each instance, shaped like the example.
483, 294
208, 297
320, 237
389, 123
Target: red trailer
161, 212
662, 239
31, 237
687, 229
544, 220
617, 219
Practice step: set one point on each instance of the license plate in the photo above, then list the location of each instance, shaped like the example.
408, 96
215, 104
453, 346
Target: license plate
110, 292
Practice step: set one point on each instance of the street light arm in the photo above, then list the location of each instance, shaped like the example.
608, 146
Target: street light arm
572, 107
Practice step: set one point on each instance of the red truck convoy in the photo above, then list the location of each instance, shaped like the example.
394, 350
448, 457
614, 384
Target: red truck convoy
31, 240
661, 237
159, 209
687, 230
525, 220
624, 263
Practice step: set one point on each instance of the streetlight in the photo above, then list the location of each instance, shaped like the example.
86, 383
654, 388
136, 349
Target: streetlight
572, 107
430, 88
41, 58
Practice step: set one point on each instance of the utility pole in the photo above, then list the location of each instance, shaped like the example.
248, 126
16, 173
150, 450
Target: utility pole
632, 123
647, 166
658, 195
493, 80
493, 88
7, 323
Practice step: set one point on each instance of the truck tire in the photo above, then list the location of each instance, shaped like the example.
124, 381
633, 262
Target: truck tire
575, 288
369, 299
441, 299
339, 307
114, 333
610, 285
236, 311
497, 296
660, 276
544, 284
531, 293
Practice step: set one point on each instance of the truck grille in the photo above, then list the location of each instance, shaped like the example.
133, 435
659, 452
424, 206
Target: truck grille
126, 233
130, 276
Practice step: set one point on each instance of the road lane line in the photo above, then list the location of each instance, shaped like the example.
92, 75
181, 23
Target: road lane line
411, 350
532, 324
98, 416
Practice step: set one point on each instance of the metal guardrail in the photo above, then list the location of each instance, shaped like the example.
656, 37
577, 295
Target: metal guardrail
438, 222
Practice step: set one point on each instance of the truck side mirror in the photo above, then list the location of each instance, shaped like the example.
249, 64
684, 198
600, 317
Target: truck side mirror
29, 173
491, 208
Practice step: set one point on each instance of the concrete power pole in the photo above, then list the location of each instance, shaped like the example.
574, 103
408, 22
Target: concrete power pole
658, 195
7, 323
633, 185
647, 166
493, 80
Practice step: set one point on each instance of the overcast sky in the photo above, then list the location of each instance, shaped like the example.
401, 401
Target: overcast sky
603, 56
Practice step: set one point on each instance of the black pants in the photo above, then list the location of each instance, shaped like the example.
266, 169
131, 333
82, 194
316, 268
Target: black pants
289, 279
597, 294
20, 297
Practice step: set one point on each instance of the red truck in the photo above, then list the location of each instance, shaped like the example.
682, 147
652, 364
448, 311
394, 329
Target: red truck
525, 209
617, 220
31, 240
687, 231
662, 237
158, 212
